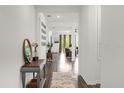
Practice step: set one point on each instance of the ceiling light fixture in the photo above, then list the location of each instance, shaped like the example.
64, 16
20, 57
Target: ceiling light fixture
58, 16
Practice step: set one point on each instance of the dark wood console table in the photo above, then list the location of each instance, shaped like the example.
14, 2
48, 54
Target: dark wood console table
34, 67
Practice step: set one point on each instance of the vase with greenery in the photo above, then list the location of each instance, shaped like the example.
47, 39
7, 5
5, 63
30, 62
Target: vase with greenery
35, 45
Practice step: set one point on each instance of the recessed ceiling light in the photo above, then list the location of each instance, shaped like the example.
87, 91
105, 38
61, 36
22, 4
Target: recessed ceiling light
58, 16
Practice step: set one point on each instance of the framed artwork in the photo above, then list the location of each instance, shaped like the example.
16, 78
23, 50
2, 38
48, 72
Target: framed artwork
43, 33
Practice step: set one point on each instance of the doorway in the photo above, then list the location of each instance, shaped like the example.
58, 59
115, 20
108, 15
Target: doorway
64, 43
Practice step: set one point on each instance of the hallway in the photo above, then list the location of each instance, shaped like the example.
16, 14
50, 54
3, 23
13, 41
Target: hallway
61, 36
64, 72
95, 31
62, 46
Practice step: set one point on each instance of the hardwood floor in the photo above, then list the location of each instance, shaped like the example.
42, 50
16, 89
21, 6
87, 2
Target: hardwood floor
61, 64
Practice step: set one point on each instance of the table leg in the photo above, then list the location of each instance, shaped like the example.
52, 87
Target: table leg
44, 71
33, 75
23, 79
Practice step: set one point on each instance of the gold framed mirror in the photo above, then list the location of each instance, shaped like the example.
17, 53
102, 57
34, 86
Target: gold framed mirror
27, 51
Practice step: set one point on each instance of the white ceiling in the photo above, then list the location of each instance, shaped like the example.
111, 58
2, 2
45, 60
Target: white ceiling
65, 22
69, 16
58, 8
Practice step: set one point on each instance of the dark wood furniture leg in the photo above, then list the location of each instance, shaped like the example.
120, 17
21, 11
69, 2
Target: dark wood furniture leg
23, 79
44, 71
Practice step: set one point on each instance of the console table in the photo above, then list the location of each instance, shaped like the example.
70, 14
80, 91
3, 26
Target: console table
34, 67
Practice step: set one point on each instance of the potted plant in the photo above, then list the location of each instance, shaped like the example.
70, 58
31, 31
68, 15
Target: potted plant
35, 45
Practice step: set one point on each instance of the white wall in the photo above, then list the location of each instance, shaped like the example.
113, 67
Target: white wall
89, 67
73, 44
16, 24
112, 34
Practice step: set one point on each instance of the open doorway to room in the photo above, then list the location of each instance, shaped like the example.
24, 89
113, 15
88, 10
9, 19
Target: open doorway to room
62, 53
64, 43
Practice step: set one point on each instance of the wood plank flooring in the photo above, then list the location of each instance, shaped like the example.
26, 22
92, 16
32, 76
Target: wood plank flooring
61, 64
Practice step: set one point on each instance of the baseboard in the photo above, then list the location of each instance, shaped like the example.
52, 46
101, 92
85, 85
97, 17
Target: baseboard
82, 83
93, 86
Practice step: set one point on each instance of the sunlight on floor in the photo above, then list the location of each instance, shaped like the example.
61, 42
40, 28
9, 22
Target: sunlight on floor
66, 65
76, 66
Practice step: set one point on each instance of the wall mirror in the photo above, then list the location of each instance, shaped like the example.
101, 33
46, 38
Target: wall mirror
27, 51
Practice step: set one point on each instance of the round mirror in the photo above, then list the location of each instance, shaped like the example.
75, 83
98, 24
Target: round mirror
27, 51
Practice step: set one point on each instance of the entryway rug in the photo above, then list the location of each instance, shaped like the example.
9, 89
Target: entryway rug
63, 80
